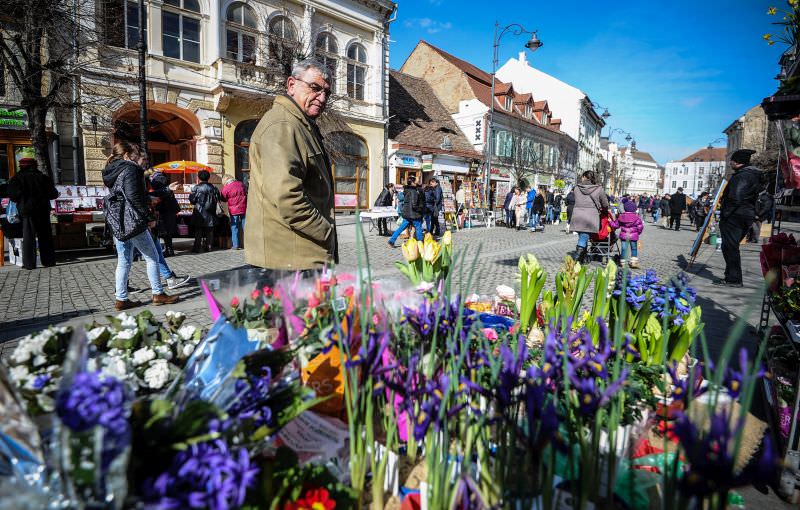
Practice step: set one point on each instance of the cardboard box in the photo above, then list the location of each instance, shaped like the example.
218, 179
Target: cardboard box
15, 253
70, 228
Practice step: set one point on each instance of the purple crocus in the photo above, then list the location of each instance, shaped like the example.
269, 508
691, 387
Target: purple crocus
710, 456
205, 475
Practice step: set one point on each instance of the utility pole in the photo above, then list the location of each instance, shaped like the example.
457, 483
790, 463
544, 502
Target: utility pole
142, 48
76, 141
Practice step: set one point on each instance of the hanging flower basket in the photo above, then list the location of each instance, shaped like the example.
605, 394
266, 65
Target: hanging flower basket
781, 107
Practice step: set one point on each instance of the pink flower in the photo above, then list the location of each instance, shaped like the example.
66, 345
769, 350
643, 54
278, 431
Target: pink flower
267, 291
348, 292
490, 334
255, 294
234, 302
313, 301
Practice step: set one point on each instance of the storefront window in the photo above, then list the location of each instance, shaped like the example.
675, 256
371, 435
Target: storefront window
351, 169
4, 171
241, 140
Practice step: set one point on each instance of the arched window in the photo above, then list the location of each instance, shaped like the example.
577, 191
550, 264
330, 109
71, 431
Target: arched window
240, 33
350, 169
181, 29
356, 71
282, 41
327, 51
121, 23
241, 140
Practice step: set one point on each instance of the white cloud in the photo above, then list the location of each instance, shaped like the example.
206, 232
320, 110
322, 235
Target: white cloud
691, 102
429, 25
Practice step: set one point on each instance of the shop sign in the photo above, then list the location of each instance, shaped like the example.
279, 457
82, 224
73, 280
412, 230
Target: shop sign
13, 119
450, 165
427, 162
407, 160
500, 173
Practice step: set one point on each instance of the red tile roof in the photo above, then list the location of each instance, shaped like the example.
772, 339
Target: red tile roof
523, 98
715, 154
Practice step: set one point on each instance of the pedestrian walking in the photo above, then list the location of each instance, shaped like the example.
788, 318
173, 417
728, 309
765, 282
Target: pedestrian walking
590, 200
509, 210
434, 199
538, 209
677, 204
644, 202
290, 201
127, 214
738, 209
558, 199
167, 209
631, 227
570, 202
665, 209
520, 204
413, 210
549, 206
655, 209
235, 195
529, 194
764, 204
385, 199
32, 191
701, 207
204, 197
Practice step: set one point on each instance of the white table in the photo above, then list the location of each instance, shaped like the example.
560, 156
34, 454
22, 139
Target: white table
377, 214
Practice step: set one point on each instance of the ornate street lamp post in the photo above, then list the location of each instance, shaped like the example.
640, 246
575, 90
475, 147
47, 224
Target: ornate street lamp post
533, 44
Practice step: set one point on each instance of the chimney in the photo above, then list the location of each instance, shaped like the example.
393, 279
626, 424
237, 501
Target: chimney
522, 58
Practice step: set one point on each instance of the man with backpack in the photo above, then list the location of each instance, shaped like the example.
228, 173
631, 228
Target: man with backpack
412, 210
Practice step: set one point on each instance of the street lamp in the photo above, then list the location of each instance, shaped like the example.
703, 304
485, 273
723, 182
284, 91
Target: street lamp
533, 44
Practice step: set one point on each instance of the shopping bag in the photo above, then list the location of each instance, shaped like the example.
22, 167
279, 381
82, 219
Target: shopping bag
12, 213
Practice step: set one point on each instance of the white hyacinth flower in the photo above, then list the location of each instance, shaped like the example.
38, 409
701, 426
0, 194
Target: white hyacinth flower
143, 355
19, 374
48, 404
187, 332
157, 375
116, 367
126, 334
188, 349
94, 333
164, 352
127, 321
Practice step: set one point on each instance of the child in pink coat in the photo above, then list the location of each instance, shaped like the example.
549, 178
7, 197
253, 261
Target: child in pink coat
630, 227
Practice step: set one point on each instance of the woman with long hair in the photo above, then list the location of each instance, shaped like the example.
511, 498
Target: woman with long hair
123, 172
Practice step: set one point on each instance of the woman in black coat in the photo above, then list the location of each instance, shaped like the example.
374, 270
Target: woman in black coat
205, 198
385, 199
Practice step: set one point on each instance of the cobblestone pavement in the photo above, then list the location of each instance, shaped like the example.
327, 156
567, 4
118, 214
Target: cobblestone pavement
81, 287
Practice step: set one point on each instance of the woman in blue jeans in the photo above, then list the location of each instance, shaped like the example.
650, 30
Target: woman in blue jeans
590, 199
412, 210
123, 166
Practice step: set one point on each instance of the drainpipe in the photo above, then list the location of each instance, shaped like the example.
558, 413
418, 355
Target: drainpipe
392, 16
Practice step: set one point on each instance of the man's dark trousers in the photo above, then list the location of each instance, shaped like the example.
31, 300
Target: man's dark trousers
33, 227
733, 228
675, 221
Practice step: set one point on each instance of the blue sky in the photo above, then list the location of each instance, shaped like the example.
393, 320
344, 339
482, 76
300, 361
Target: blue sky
674, 73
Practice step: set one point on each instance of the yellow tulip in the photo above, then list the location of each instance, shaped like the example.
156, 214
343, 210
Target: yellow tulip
428, 238
447, 239
411, 250
767, 37
430, 250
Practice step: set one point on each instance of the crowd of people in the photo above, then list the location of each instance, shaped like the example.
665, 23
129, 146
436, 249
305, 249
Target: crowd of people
532, 209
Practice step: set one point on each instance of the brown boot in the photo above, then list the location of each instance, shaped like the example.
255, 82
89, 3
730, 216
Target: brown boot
164, 299
125, 305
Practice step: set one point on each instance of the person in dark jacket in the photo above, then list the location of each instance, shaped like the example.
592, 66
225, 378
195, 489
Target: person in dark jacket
677, 204
737, 211
538, 209
433, 206
569, 201
764, 205
412, 211
701, 207
385, 199
665, 208
32, 191
510, 215
204, 197
122, 166
167, 209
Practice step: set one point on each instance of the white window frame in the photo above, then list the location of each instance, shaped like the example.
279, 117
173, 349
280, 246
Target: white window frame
241, 31
509, 103
183, 14
353, 65
280, 40
328, 56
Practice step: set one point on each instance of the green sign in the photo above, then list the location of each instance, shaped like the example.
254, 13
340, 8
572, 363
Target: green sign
13, 119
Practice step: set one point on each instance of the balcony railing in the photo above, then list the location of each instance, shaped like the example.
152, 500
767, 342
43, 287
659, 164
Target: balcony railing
266, 79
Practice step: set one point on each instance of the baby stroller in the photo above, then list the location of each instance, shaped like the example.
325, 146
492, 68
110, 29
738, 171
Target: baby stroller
604, 243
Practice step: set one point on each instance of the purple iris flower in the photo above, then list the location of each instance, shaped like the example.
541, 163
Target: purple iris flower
510, 372
437, 316
468, 496
591, 396
540, 410
253, 395
681, 386
344, 332
735, 378
205, 475
434, 400
710, 456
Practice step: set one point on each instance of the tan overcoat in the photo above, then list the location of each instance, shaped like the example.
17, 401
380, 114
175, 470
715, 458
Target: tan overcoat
290, 207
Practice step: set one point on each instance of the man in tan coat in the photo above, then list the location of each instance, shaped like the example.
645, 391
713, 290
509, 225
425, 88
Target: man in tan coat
290, 217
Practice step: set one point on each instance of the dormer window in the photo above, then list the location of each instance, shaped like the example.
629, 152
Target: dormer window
528, 111
544, 118
509, 103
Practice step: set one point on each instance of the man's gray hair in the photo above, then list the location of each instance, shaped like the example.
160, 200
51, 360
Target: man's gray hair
310, 63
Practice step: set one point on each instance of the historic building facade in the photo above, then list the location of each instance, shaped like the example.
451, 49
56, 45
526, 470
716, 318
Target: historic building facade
214, 68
